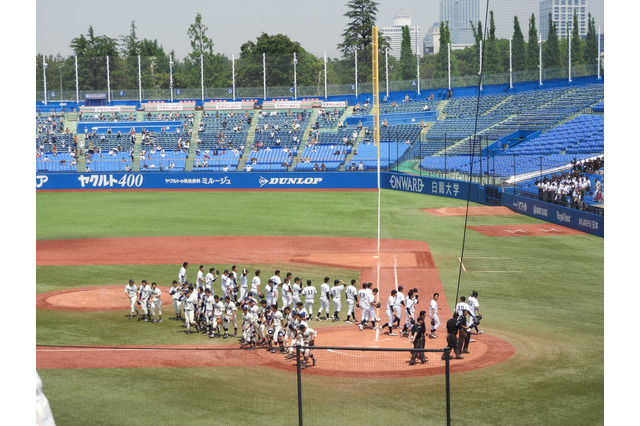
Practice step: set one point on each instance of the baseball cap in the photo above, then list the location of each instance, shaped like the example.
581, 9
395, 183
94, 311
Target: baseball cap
130, 281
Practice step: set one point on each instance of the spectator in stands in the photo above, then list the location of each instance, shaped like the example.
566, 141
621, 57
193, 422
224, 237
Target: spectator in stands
361, 166
406, 98
431, 97
316, 167
449, 94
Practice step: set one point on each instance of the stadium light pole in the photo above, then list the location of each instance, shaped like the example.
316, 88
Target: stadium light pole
480, 64
201, 76
569, 39
171, 76
44, 77
295, 77
108, 83
75, 57
264, 76
510, 66
418, 59
325, 74
598, 58
355, 55
386, 69
449, 63
540, 59
233, 76
139, 80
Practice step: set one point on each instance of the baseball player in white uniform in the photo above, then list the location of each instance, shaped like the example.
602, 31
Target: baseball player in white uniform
156, 303
287, 297
189, 301
351, 294
296, 289
325, 290
145, 293
410, 308
399, 304
309, 298
308, 339
200, 282
176, 292
363, 297
208, 311
224, 289
182, 275
336, 296
391, 303
243, 284
131, 290
210, 278
277, 283
277, 325
433, 314
474, 310
218, 311
255, 284
229, 317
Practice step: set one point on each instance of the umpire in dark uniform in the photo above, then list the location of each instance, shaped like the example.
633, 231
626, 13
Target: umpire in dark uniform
452, 335
418, 336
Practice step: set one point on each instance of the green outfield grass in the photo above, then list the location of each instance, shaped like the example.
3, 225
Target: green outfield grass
543, 295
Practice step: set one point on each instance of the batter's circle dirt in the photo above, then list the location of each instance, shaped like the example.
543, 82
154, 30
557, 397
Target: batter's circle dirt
409, 261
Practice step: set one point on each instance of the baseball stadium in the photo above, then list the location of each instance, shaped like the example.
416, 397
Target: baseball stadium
469, 198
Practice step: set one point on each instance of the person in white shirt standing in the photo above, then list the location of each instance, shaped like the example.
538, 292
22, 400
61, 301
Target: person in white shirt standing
277, 282
336, 296
156, 303
433, 314
324, 299
131, 290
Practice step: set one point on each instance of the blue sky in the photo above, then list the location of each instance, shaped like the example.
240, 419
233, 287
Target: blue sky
316, 24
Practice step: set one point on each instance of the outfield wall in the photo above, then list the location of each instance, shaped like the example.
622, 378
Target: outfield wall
565, 216
571, 218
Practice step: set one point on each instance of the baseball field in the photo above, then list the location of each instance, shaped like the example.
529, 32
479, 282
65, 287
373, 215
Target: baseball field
540, 359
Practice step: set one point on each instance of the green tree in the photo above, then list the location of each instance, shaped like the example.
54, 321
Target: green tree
577, 56
278, 50
532, 45
92, 52
551, 51
474, 60
518, 49
492, 63
407, 64
591, 42
442, 61
357, 36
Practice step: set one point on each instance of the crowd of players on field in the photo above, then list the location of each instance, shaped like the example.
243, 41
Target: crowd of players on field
283, 328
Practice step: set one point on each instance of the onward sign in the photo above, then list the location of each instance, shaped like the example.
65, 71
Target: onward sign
426, 185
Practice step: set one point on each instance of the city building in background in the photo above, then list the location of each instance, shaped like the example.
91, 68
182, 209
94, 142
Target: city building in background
460, 14
562, 16
394, 33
